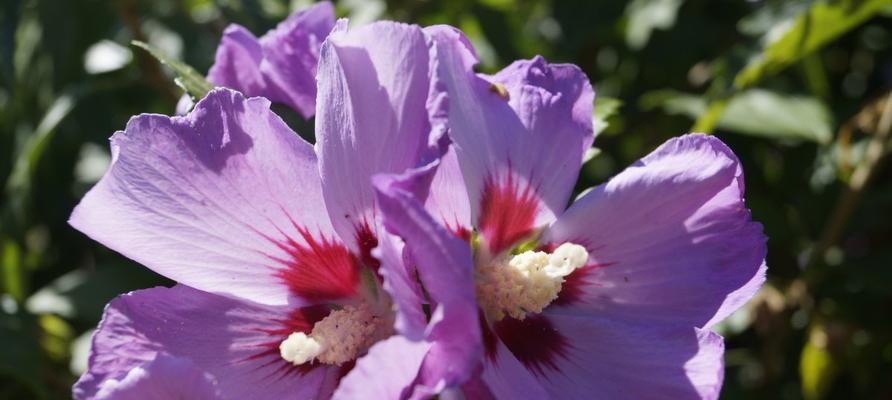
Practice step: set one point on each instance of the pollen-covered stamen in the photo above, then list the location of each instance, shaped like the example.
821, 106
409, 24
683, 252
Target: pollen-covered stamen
338, 338
527, 282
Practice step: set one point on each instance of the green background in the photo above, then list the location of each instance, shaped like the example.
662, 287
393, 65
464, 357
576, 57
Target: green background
796, 88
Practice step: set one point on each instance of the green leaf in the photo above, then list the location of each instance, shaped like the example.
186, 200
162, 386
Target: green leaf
756, 112
590, 154
647, 15
604, 108
761, 112
37, 142
710, 117
81, 295
820, 24
674, 102
816, 365
188, 78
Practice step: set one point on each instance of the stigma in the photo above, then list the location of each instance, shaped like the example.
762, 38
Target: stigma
338, 338
527, 282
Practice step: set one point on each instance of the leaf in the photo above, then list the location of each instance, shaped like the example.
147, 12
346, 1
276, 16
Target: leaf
188, 78
761, 112
11, 263
816, 365
81, 295
590, 154
820, 24
38, 141
756, 112
710, 117
673, 102
80, 352
604, 108
106, 56
647, 15
56, 338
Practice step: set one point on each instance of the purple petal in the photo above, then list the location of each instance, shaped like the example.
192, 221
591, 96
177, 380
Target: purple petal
445, 268
371, 118
163, 378
387, 371
519, 136
400, 284
234, 341
604, 359
281, 65
447, 200
670, 239
227, 200
506, 377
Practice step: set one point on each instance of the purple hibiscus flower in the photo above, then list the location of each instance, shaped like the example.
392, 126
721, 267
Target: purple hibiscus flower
272, 241
610, 298
280, 65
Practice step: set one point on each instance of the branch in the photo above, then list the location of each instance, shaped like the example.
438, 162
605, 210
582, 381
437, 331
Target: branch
851, 197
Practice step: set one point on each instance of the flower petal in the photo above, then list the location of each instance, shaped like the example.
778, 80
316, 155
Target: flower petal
605, 359
670, 239
227, 200
371, 118
445, 269
387, 371
447, 201
519, 136
506, 377
165, 377
234, 341
281, 65
401, 285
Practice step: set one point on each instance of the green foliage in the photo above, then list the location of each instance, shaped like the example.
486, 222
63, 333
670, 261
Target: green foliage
644, 16
756, 112
21, 355
820, 24
187, 78
816, 366
790, 86
605, 107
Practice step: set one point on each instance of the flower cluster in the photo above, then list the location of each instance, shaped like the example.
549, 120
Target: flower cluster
423, 247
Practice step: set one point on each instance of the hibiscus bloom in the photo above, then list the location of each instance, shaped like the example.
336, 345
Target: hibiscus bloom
610, 298
270, 240
280, 65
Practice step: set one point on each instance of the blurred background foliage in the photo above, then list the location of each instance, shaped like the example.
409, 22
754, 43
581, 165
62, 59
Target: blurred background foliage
798, 89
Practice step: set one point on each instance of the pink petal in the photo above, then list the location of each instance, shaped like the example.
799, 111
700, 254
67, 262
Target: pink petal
281, 65
670, 239
373, 84
236, 342
519, 136
227, 200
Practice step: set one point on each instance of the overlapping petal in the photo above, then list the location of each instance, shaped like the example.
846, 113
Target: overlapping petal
399, 280
227, 199
445, 268
519, 136
371, 118
386, 372
669, 238
447, 201
233, 341
281, 65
